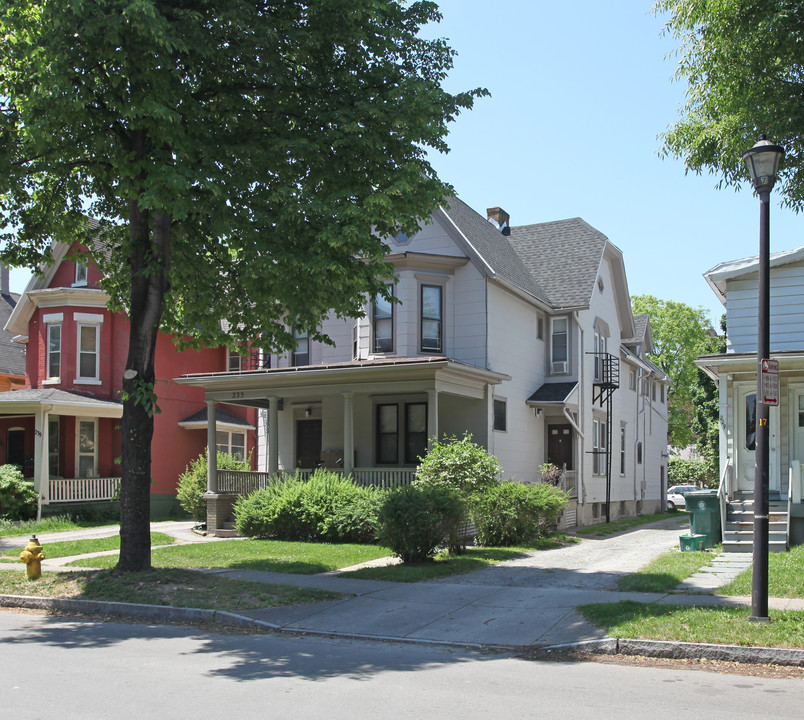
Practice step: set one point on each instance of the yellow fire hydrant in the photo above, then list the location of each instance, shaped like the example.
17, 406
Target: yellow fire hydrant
32, 556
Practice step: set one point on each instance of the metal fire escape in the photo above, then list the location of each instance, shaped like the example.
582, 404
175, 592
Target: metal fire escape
606, 381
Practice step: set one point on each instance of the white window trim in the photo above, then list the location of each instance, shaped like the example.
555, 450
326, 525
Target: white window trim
81, 283
78, 453
441, 285
553, 361
229, 434
53, 321
93, 321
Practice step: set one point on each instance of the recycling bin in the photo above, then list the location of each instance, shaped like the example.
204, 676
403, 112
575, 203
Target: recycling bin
704, 509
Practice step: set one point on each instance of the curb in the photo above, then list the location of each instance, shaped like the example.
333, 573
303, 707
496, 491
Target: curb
676, 650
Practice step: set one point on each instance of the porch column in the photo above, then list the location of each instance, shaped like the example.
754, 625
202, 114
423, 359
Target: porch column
723, 419
273, 435
432, 417
348, 434
41, 463
212, 448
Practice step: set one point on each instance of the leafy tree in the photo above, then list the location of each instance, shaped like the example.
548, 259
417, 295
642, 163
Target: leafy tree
243, 159
742, 63
680, 333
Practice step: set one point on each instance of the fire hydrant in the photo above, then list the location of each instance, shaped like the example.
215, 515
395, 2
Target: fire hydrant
32, 556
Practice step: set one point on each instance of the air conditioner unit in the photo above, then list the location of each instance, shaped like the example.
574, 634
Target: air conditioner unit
559, 368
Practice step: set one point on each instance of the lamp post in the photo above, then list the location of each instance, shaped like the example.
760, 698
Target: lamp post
763, 162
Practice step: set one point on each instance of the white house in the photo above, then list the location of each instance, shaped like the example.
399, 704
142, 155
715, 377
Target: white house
522, 336
735, 283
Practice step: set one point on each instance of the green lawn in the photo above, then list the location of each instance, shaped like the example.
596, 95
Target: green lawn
785, 576
721, 625
81, 547
57, 523
179, 588
267, 555
628, 523
667, 571
445, 565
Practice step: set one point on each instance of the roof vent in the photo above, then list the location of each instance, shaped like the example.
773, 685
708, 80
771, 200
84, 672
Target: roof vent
500, 219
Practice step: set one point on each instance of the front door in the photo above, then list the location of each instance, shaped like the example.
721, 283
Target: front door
745, 395
559, 445
308, 443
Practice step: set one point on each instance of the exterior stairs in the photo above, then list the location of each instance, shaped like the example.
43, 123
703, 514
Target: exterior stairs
738, 535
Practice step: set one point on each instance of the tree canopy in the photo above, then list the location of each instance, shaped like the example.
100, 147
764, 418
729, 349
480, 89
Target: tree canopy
243, 159
680, 333
743, 63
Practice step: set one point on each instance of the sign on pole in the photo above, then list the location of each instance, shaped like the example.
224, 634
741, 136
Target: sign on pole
770, 382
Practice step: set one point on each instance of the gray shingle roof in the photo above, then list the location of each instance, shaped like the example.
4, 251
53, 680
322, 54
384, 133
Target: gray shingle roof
640, 326
12, 355
556, 392
57, 397
493, 247
563, 257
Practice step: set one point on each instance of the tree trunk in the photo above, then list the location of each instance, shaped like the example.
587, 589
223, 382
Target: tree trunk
149, 238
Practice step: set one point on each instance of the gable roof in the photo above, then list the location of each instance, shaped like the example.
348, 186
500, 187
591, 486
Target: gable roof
491, 247
718, 276
563, 257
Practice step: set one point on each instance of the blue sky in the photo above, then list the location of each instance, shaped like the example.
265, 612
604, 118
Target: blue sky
579, 93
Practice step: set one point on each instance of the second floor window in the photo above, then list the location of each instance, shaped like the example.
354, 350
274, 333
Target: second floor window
431, 319
559, 346
383, 319
600, 352
53, 352
88, 352
301, 355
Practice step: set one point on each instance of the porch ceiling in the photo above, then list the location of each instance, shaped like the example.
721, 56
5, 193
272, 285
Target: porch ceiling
399, 375
58, 402
715, 365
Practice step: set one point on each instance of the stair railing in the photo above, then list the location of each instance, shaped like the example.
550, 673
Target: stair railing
722, 495
794, 478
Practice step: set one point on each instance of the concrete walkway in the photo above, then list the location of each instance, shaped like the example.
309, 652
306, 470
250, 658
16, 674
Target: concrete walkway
528, 601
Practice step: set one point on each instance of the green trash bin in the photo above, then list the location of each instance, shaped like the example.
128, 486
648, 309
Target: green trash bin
704, 509
691, 543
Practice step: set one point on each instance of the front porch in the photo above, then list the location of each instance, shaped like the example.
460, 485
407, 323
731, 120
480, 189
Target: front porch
371, 420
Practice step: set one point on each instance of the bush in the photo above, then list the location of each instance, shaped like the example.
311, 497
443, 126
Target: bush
683, 471
327, 507
193, 483
458, 464
512, 513
17, 495
416, 520
550, 473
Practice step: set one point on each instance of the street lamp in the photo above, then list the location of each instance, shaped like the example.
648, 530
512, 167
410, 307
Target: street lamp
763, 162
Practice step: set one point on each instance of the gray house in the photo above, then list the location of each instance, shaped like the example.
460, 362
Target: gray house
522, 336
735, 283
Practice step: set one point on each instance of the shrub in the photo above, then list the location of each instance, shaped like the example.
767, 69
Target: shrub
327, 507
17, 495
193, 483
416, 520
459, 464
512, 513
683, 471
550, 473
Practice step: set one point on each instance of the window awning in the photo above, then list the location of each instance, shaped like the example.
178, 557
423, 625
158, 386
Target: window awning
553, 394
223, 421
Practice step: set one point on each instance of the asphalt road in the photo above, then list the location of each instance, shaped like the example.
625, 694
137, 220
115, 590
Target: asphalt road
58, 668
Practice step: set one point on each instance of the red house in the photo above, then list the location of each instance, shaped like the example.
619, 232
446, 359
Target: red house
63, 427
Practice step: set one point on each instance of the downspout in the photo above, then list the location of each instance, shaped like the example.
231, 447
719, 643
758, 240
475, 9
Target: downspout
581, 406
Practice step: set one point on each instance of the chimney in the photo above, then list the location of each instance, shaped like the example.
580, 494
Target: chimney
4, 282
498, 217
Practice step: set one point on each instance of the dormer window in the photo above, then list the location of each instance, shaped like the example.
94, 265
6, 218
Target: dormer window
80, 274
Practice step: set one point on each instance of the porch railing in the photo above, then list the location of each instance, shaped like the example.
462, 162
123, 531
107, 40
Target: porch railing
569, 482
66, 490
244, 482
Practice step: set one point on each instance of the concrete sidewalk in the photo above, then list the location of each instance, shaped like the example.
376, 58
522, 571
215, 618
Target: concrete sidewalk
531, 601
